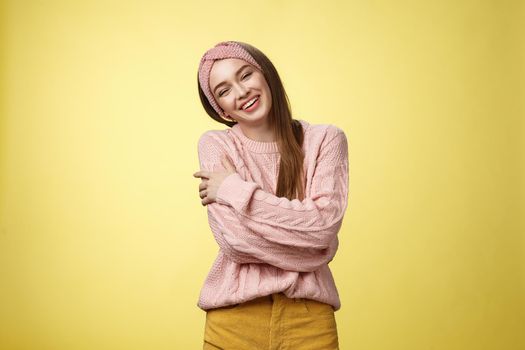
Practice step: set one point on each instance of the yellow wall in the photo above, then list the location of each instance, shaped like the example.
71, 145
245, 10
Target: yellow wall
104, 243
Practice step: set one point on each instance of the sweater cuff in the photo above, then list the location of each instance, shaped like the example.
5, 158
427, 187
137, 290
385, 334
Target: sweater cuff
236, 192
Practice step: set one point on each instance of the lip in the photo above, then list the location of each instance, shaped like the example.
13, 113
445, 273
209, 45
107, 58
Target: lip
248, 99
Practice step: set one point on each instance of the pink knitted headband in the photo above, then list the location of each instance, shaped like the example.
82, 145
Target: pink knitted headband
224, 49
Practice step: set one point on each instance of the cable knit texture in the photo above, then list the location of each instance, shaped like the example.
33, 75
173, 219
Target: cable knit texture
269, 244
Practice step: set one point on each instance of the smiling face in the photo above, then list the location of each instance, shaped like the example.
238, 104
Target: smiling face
233, 83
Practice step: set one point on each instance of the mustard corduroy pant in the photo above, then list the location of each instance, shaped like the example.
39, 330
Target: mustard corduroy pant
273, 322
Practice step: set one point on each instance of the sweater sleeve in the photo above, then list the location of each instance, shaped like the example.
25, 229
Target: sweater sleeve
310, 223
243, 245
209, 158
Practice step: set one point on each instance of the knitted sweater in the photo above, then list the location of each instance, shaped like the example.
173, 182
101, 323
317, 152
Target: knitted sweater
270, 244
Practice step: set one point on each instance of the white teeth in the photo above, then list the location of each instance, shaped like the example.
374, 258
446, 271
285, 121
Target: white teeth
249, 103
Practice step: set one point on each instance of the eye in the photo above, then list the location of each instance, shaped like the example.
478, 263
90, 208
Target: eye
244, 76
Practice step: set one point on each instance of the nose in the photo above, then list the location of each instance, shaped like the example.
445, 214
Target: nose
242, 91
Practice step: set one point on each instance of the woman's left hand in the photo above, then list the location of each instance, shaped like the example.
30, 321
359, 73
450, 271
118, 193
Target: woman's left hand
212, 180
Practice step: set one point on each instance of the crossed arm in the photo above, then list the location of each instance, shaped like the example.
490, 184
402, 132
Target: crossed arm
254, 226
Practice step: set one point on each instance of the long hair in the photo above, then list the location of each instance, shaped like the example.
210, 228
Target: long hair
288, 132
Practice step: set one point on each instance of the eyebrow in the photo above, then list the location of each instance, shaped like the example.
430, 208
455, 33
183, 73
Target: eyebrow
236, 73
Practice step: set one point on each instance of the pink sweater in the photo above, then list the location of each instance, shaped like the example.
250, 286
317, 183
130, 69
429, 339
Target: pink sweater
269, 244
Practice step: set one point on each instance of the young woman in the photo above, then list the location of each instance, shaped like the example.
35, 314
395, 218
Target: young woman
276, 191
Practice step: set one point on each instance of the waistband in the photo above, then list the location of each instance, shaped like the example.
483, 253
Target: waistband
280, 296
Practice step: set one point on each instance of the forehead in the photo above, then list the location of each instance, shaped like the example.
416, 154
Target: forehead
225, 69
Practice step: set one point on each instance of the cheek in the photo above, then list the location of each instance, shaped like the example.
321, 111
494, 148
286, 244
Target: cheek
221, 101
268, 94
266, 88
227, 103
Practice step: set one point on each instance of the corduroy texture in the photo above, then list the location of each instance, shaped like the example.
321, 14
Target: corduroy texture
270, 244
272, 322
222, 50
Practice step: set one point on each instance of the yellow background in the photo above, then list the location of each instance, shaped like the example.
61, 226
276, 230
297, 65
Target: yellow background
104, 243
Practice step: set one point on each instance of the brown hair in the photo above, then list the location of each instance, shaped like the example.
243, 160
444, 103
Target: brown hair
288, 132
